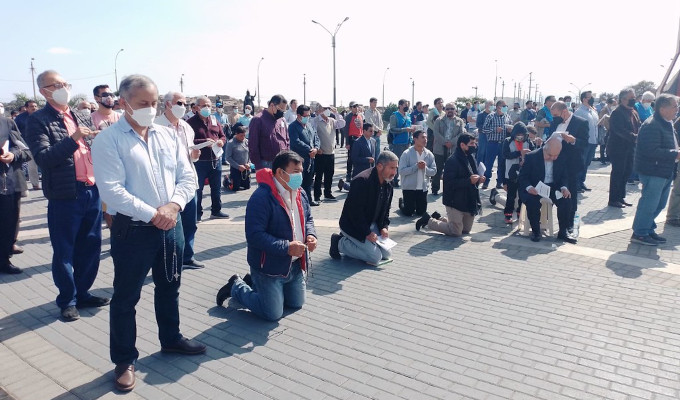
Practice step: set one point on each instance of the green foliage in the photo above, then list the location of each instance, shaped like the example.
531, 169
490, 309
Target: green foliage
20, 99
460, 101
606, 95
644, 86
389, 110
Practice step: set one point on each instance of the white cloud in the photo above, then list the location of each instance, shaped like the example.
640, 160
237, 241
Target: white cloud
61, 50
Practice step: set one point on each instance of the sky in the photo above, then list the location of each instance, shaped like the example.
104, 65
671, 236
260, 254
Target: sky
445, 47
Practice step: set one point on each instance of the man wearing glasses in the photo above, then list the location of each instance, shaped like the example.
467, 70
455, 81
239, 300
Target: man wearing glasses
446, 132
104, 116
59, 140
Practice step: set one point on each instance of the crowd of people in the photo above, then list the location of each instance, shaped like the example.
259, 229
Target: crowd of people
142, 172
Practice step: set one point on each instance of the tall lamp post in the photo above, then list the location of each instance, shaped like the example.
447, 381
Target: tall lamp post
580, 89
475, 87
258, 82
304, 88
383, 96
33, 79
337, 28
181, 83
495, 85
115, 67
413, 92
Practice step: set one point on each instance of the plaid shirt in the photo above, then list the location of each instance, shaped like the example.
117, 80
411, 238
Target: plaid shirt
494, 121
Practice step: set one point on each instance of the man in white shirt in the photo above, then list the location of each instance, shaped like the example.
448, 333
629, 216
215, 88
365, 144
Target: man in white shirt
291, 113
588, 112
373, 116
324, 162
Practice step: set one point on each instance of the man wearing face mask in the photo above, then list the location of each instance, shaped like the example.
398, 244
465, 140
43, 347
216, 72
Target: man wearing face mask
373, 116
401, 129
85, 107
234, 115
496, 127
280, 234
588, 112
528, 114
30, 107
431, 120
479, 123
447, 129
174, 104
305, 142
244, 120
268, 133
544, 118
354, 123
224, 121
147, 180
624, 123
104, 116
60, 141
644, 107
208, 129
324, 163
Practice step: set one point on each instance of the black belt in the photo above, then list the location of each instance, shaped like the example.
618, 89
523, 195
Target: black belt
85, 184
130, 222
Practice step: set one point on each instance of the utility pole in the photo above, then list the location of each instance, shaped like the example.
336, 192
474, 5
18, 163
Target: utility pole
413, 92
475, 87
33, 79
514, 93
503, 90
495, 85
304, 88
536, 93
529, 96
181, 83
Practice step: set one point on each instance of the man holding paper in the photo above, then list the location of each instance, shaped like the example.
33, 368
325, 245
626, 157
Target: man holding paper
208, 130
544, 174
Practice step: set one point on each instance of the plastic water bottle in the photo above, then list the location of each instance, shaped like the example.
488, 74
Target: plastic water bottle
577, 220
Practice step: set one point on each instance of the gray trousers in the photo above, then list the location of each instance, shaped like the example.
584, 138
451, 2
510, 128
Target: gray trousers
364, 251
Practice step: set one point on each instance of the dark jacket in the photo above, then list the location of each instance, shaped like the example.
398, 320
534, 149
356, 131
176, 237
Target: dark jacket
203, 132
572, 154
53, 149
533, 171
269, 229
459, 193
10, 132
266, 138
655, 152
623, 124
302, 141
360, 155
361, 205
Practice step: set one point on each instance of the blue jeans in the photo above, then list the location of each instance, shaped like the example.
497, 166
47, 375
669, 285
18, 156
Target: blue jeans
75, 228
271, 294
655, 192
364, 251
134, 252
493, 150
204, 169
188, 216
481, 147
588, 155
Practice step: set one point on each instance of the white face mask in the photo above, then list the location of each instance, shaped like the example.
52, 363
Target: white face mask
85, 111
143, 116
178, 111
327, 113
247, 111
61, 96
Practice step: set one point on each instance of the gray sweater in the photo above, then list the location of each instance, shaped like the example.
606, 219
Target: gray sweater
237, 153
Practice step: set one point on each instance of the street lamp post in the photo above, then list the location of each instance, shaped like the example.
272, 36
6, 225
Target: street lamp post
413, 92
475, 87
333, 45
383, 96
33, 79
115, 67
304, 88
258, 82
181, 83
495, 85
580, 89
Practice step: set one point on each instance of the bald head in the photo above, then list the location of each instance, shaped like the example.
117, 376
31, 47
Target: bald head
552, 149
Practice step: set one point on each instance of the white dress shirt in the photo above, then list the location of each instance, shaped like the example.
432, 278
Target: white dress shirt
185, 133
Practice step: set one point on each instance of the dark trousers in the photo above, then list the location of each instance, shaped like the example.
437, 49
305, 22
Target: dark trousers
603, 148
308, 178
324, 166
9, 215
339, 138
189, 228
533, 204
75, 228
414, 201
204, 169
439, 161
513, 187
430, 139
493, 151
350, 143
622, 166
237, 179
135, 250
573, 185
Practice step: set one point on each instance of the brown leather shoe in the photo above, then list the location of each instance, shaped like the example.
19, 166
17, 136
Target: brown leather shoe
125, 377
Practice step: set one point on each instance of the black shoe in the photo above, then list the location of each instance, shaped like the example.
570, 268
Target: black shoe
658, 238
535, 237
193, 264
492, 196
643, 240
10, 269
581, 190
93, 301
248, 279
70, 313
219, 215
499, 186
422, 221
314, 203
626, 204
566, 237
586, 188
225, 291
508, 219
485, 186
334, 250
330, 197
435, 192
401, 203
435, 215
185, 346
616, 204
341, 184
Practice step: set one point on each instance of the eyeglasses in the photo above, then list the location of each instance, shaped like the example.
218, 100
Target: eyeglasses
107, 94
59, 85
181, 103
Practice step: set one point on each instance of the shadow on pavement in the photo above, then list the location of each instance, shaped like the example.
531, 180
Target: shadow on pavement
94, 389
436, 242
633, 271
326, 277
221, 251
595, 217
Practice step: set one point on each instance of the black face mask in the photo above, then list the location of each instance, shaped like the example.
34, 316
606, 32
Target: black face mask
405, 109
558, 120
279, 114
472, 150
631, 103
591, 101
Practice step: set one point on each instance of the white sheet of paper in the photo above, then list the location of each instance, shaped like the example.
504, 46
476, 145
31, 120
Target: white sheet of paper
5, 147
217, 150
558, 194
385, 243
481, 169
201, 145
543, 189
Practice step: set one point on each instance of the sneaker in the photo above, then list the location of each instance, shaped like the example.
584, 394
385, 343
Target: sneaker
435, 215
422, 221
508, 219
658, 238
643, 240
334, 250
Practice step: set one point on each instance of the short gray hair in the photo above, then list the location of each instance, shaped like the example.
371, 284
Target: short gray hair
170, 95
386, 157
648, 96
40, 80
665, 100
625, 92
133, 82
202, 98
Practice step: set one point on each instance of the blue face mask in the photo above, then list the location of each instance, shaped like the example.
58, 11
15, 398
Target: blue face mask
205, 112
480, 107
504, 109
305, 120
492, 108
295, 180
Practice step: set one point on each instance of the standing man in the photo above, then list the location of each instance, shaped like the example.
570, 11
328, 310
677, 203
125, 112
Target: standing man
372, 115
401, 129
363, 151
324, 162
280, 234
354, 122
268, 133
21, 121
544, 118
656, 158
528, 114
447, 129
482, 137
603, 128
208, 129
416, 166
644, 107
291, 112
234, 115
13, 153
305, 143
588, 113
104, 116
60, 141
431, 120
496, 127
175, 106
239, 162
624, 124
515, 113
365, 214
147, 232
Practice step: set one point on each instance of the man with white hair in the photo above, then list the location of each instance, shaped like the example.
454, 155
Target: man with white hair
645, 107
85, 107
146, 180
175, 104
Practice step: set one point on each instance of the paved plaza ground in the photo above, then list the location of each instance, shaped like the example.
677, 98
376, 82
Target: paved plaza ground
488, 316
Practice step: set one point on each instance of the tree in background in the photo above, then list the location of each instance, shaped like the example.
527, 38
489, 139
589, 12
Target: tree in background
460, 101
389, 110
644, 86
20, 99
